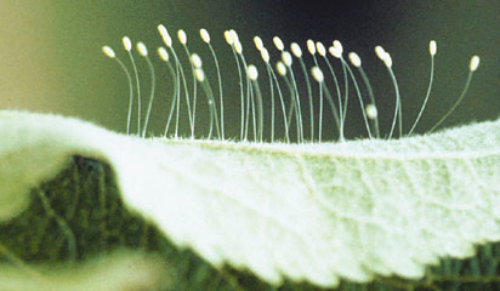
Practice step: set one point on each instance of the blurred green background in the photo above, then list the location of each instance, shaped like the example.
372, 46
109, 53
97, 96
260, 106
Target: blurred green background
51, 60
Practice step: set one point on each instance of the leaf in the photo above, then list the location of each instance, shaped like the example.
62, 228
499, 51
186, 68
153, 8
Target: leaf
315, 212
109, 273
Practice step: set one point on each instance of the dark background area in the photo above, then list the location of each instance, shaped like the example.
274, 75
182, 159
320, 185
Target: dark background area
53, 63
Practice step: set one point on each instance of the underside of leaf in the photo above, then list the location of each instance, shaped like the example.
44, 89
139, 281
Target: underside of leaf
362, 211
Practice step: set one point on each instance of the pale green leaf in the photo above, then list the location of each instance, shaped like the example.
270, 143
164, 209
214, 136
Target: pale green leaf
355, 211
